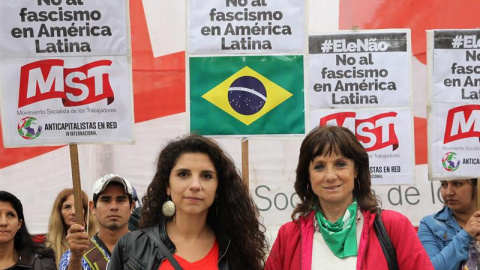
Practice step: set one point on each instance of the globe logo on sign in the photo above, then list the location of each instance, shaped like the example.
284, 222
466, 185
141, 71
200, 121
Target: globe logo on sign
450, 161
247, 95
28, 128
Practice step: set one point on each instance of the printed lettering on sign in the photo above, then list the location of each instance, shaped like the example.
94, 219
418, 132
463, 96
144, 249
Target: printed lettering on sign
462, 122
47, 79
377, 132
374, 133
339, 119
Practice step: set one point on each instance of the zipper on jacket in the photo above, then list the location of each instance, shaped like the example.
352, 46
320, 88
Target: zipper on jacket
301, 243
224, 253
131, 266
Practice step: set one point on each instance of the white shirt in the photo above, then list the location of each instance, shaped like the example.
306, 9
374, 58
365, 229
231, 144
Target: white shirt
323, 258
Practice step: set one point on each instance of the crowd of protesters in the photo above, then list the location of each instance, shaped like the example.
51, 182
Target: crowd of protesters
198, 214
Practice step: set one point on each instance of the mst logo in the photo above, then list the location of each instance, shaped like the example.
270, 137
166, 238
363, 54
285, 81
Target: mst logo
462, 122
47, 79
374, 133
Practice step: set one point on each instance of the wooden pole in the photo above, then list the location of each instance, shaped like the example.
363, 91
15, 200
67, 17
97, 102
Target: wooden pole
478, 194
245, 172
77, 187
477, 242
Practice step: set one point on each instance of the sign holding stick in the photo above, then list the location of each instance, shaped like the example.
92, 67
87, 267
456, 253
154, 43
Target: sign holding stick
77, 187
245, 167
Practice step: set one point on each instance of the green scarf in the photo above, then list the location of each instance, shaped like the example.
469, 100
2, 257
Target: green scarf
341, 236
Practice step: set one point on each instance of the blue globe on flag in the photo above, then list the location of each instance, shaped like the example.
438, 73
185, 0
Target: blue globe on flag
28, 128
247, 95
450, 161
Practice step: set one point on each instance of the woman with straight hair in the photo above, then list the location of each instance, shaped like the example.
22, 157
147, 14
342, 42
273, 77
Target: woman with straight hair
451, 235
17, 249
62, 217
333, 224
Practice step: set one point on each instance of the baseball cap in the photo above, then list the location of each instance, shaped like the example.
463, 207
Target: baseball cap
103, 182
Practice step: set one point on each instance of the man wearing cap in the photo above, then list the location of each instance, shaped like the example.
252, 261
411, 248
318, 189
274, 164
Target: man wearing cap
112, 205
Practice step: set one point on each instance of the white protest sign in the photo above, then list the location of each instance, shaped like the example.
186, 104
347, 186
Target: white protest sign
246, 26
454, 136
454, 104
456, 65
65, 72
387, 136
351, 69
63, 28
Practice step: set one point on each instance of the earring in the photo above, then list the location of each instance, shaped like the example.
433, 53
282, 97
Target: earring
168, 207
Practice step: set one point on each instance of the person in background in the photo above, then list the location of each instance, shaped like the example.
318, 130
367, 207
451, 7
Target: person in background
17, 250
62, 217
198, 209
112, 206
449, 235
136, 214
333, 224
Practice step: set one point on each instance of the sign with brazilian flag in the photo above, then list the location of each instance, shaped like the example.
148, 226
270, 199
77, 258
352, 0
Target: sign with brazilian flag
247, 95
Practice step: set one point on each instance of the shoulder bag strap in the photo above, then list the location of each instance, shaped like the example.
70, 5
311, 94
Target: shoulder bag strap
384, 239
152, 235
95, 257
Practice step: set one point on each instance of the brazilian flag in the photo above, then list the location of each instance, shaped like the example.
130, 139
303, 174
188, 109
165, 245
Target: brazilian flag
247, 95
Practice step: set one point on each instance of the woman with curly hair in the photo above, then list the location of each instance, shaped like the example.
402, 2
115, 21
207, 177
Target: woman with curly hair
62, 217
197, 209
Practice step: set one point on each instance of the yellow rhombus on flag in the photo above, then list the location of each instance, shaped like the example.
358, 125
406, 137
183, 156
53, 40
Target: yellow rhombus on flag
218, 96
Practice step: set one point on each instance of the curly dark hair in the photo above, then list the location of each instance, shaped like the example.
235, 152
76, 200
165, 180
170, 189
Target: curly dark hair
233, 213
325, 140
22, 239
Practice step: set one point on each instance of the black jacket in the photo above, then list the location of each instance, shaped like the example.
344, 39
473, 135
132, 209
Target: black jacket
44, 260
135, 251
24, 261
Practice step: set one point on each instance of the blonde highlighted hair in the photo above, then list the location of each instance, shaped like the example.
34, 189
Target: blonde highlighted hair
57, 228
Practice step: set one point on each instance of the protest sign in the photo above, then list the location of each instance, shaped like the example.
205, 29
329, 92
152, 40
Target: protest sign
454, 104
65, 72
361, 80
247, 95
258, 93
352, 69
383, 134
455, 141
246, 26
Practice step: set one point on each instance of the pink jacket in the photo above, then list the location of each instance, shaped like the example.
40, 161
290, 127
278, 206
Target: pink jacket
292, 249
